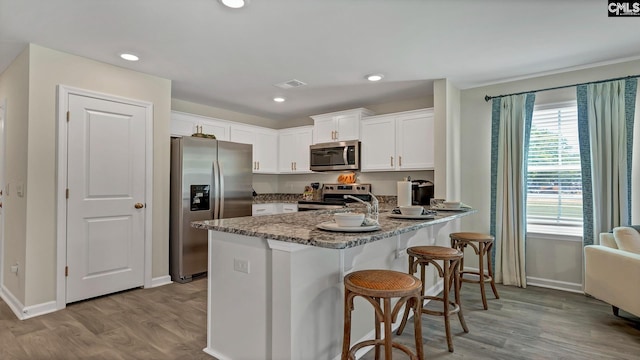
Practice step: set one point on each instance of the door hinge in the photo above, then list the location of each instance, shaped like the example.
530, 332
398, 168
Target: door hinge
67, 193
68, 115
66, 270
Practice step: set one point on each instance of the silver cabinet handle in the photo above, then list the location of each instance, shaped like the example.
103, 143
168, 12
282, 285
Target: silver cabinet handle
391, 161
399, 160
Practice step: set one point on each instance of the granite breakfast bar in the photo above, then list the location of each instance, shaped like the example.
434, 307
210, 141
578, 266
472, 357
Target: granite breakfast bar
275, 282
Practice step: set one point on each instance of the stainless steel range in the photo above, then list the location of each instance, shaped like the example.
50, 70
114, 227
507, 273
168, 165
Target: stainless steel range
333, 196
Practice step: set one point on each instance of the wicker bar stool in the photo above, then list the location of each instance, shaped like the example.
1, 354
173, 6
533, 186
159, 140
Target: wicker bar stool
374, 286
425, 255
481, 244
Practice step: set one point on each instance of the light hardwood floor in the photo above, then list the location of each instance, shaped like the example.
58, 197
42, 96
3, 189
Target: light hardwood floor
169, 322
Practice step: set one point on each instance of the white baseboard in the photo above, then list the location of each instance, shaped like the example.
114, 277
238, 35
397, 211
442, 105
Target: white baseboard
39, 309
216, 354
547, 283
555, 284
26, 312
160, 281
14, 304
432, 291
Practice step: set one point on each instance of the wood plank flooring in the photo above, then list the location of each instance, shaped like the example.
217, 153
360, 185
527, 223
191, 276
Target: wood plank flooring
169, 322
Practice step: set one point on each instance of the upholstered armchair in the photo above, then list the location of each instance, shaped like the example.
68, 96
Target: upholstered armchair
612, 270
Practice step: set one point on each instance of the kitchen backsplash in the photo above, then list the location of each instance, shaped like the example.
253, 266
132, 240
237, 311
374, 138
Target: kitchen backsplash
293, 198
382, 183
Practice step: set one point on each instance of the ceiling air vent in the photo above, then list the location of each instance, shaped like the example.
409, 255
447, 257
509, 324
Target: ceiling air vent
290, 84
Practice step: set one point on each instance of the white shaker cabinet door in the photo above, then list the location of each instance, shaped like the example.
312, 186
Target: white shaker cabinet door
377, 150
414, 141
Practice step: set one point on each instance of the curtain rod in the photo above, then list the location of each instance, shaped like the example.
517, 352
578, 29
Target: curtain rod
487, 97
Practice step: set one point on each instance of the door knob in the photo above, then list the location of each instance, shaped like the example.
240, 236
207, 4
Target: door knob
138, 205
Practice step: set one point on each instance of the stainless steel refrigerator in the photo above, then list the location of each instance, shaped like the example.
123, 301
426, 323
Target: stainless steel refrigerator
210, 179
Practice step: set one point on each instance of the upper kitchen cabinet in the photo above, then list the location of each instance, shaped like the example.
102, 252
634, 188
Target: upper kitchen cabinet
397, 142
265, 146
183, 124
294, 149
338, 126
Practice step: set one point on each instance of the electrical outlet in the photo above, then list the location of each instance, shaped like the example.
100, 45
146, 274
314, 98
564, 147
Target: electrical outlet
241, 265
401, 253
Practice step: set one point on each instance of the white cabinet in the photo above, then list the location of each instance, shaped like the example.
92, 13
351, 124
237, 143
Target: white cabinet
273, 208
338, 126
294, 149
398, 141
264, 209
289, 208
183, 124
265, 146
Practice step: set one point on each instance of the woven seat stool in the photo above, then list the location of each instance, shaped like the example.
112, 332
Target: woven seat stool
481, 244
423, 256
376, 286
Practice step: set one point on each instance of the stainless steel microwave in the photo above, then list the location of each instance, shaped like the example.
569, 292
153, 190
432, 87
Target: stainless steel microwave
342, 155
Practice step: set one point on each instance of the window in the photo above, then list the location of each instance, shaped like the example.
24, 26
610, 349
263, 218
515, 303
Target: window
554, 181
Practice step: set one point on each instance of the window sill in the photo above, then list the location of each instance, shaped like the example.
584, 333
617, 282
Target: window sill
554, 232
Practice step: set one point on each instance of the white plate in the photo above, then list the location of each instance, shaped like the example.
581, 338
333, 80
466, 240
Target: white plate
415, 217
332, 226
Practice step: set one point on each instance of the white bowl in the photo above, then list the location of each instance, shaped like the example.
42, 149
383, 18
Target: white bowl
411, 210
348, 219
451, 204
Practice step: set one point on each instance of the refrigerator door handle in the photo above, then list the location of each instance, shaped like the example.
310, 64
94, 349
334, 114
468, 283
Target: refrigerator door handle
220, 190
216, 190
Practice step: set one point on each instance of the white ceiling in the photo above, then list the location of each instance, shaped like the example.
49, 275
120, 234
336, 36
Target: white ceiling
232, 58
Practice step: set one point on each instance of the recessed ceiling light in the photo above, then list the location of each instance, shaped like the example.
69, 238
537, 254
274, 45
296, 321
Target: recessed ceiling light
129, 57
234, 4
279, 99
374, 77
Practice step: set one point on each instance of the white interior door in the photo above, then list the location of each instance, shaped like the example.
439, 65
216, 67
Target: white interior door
106, 196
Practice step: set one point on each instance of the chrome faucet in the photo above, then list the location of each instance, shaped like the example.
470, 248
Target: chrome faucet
375, 211
372, 208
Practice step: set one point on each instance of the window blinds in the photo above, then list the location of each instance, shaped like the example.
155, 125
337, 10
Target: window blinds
554, 183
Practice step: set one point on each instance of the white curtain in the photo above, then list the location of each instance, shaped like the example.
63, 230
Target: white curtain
510, 142
605, 119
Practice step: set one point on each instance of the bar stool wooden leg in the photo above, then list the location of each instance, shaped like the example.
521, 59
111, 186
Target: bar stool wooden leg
481, 276
489, 268
346, 337
417, 325
388, 347
456, 285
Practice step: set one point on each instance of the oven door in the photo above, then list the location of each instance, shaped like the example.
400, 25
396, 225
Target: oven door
344, 155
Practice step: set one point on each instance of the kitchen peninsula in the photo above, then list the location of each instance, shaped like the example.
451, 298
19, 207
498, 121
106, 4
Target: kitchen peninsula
275, 282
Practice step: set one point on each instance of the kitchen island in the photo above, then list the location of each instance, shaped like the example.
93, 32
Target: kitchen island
275, 282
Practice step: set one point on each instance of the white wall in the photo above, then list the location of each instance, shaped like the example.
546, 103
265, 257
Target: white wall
475, 152
14, 88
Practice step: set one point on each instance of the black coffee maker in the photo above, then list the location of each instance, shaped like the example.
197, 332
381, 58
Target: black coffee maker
421, 192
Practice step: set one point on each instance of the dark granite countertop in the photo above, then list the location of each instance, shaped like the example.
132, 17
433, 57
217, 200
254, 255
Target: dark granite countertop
301, 227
